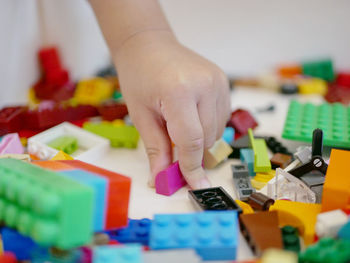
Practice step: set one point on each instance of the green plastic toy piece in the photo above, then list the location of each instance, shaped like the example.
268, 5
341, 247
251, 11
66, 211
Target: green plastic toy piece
262, 162
67, 144
290, 238
333, 119
51, 209
322, 69
117, 95
119, 136
327, 250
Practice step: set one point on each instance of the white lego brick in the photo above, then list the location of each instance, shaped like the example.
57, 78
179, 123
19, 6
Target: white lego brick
171, 256
329, 223
303, 154
90, 146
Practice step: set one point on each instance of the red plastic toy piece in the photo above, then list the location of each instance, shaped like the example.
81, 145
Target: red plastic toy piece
337, 93
241, 120
8, 257
343, 79
11, 119
169, 180
113, 110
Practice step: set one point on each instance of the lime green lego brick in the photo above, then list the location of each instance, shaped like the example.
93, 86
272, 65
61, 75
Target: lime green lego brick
67, 144
51, 209
321, 69
333, 119
119, 136
261, 157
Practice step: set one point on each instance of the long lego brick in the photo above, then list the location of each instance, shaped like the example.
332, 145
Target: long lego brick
11, 119
100, 186
51, 209
118, 254
247, 157
261, 157
118, 195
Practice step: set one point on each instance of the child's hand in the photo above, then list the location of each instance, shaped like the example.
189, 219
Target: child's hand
174, 95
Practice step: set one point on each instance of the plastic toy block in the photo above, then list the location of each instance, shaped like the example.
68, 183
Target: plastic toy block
280, 160
112, 110
100, 188
16, 243
93, 91
101, 239
11, 119
170, 180
90, 146
241, 180
214, 235
344, 231
338, 93
247, 157
246, 208
290, 238
241, 120
67, 144
312, 86
61, 156
326, 250
322, 69
107, 71
118, 194
8, 257
62, 90
54, 255
229, 135
302, 119
216, 154
278, 256
329, 223
215, 198
137, 231
276, 146
289, 71
51, 209
118, 254
300, 215
336, 189
314, 180
260, 202
119, 136
171, 256
343, 79
261, 231
261, 157
54, 165
11, 144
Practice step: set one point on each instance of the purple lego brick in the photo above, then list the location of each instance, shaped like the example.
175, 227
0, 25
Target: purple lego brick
11, 143
169, 180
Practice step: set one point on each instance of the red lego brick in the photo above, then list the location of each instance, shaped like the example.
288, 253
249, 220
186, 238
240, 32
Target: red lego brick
8, 257
49, 58
343, 79
241, 120
11, 119
113, 110
337, 93
55, 92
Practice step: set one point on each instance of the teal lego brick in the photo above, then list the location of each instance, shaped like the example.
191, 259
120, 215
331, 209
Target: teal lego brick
118, 254
51, 209
247, 157
67, 144
332, 119
214, 235
322, 69
262, 162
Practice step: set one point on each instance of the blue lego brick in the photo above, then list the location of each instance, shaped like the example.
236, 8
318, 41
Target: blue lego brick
137, 231
344, 232
229, 135
247, 157
100, 186
214, 235
16, 243
118, 254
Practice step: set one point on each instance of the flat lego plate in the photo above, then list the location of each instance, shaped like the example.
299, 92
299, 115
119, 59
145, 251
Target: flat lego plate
333, 119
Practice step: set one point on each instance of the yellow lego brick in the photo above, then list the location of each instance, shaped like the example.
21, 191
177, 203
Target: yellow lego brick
246, 208
93, 91
256, 184
118, 122
279, 256
61, 156
216, 154
313, 86
265, 177
24, 141
300, 215
32, 99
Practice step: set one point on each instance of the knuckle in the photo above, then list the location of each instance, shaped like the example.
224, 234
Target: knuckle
193, 145
189, 168
152, 152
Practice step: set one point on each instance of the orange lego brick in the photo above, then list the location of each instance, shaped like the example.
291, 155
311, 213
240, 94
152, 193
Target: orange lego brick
289, 71
53, 165
336, 188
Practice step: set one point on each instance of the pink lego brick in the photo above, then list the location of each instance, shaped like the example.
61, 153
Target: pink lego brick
11, 143
169, 180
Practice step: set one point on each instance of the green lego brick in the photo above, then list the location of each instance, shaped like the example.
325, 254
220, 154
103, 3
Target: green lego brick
67, 144
333, 119
117, 95
322, 69
51, 209
290, 238
119, 136
261, 157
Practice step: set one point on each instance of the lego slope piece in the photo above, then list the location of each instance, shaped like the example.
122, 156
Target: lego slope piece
11, 144
333, 119
90, 146
169, 180
329, 223
336, 189
261, 157
51, 209
118, 254
216, 154
300, 215
61, 156
93, 91
214, 235
241, 120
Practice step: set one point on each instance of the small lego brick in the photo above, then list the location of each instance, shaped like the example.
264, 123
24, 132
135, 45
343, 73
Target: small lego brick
336, 189
275, 146
215, 198
261, 231
246, 208
241, 180
326, 250
238, 144
280, 160
52, 209
300, 215
303, 154
343, 79
61, 156
344, 231
320, 69
329, 223
338, 93
119, 136
289, 88
289, 71
247, 157
11, 144
260, 202
214, 235
90, 146
241, 120
170, 180
302, 119
11, 119
216, 154
67, 144
137, 231
118, 254
8, 257
93, 91
107, 71
171, 256
261, 157
112, 110
278, 256
314, 180
290, 238
229, 135
261, 179
312, 86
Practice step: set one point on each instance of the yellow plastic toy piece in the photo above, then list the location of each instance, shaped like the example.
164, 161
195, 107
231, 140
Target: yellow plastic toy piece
93, 91
61, 156
261, 179
313, 86
24, 141
279, 256
300, 215
32, 99
246, 208
118, 122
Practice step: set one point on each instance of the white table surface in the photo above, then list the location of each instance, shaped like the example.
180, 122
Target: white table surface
144, 202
